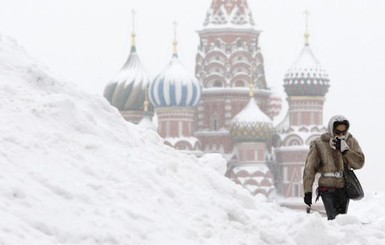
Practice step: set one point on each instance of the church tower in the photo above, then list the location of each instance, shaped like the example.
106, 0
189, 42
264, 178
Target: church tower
175, 93
127, 91
228, 49
306, 84
252, 130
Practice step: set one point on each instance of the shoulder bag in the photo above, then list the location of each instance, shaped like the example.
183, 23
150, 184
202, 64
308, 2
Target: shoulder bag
352, 185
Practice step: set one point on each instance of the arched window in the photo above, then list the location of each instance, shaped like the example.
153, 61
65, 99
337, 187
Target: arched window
294, 142
239, 83
217, 83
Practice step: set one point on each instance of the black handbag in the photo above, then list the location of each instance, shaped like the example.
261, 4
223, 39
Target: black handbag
352, 185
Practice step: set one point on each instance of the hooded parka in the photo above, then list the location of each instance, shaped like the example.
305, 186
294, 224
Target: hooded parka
324, 158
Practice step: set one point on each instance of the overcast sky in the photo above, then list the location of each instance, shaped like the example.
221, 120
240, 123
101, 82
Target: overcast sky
87, 41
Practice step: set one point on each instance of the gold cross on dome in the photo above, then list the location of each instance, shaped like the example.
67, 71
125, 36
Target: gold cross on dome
306, 13
133, 29
175, 24
133, 20
175, 42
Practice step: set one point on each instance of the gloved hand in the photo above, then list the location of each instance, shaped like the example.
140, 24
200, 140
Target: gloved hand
341, 145
307, 198
337, 144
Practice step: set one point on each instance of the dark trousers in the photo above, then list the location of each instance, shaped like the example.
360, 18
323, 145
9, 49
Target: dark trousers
335, 202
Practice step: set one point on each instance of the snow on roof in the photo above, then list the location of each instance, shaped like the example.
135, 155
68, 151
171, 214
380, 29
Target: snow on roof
235, 90
306, 59
127, 90
220, 132
229, 27
175, 140
251, 114
175, 86
251, 168
306, 65
133, 71
304, 133
229, 14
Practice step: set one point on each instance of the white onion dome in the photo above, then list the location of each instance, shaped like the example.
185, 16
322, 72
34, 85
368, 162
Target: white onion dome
306, 77
251, 124
174, 86
127, 90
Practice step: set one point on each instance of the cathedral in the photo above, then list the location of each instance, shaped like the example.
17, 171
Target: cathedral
227, 106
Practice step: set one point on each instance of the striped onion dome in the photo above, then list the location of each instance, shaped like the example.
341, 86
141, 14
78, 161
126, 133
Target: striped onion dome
174, 86
306, 77
127, 90
251, 124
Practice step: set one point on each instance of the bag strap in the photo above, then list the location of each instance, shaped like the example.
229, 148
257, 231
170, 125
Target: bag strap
345, 163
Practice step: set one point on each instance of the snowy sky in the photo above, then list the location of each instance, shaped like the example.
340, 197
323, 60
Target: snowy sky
86, 42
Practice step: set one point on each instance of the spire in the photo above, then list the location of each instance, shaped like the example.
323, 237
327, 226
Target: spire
306, 77
133, 35
307, 34
175, 42
251, 84
234, 13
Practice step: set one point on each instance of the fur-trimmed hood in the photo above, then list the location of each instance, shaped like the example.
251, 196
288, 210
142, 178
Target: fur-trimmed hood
337, 118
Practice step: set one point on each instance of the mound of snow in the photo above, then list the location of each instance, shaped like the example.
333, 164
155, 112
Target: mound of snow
74, 172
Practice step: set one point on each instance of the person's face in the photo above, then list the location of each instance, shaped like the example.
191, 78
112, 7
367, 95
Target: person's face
340, 130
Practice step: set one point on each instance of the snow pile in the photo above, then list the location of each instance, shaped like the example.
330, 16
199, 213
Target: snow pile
74, 172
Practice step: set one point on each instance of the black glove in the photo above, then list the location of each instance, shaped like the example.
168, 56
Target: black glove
307, 198
337, 143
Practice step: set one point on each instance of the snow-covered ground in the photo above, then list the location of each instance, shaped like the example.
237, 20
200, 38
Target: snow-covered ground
72, 171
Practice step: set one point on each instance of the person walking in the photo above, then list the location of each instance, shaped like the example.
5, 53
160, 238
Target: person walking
328, 155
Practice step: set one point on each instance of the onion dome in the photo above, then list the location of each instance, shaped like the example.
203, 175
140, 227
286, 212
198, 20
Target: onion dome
127, 90
174, 86
251, 124
306, 77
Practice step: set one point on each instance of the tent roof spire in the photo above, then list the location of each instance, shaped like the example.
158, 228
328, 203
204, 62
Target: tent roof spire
133, 34
307, 34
